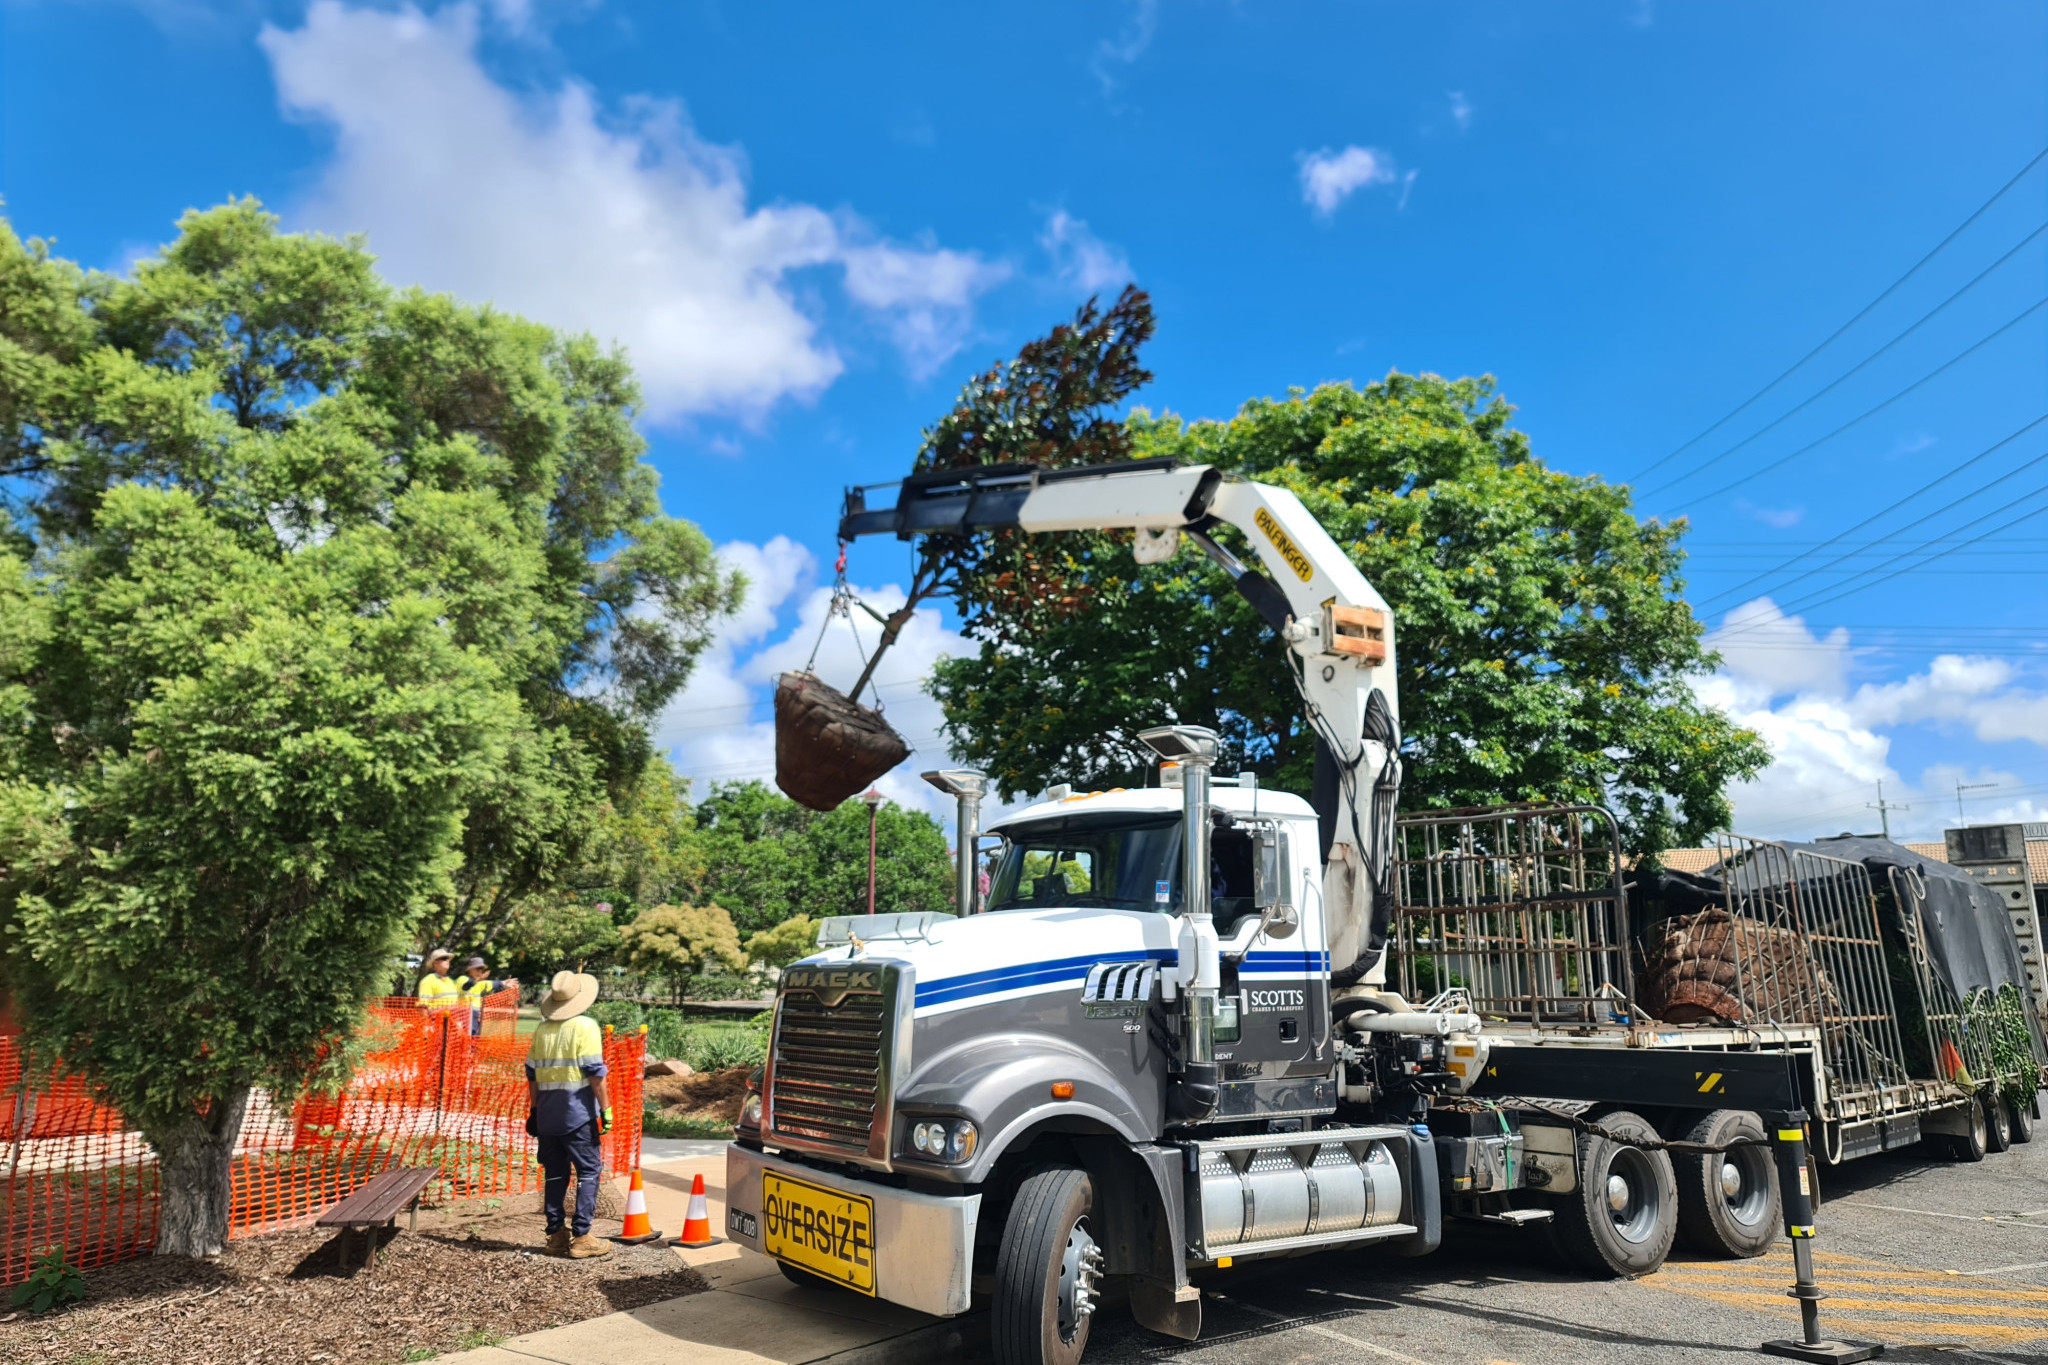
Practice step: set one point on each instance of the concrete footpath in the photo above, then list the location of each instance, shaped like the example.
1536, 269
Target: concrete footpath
751, 1315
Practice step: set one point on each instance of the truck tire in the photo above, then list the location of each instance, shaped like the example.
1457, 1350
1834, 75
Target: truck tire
1048, 1272
1727, 1201
2022, 1117
1997, 1120
805, 1279
1620, 1221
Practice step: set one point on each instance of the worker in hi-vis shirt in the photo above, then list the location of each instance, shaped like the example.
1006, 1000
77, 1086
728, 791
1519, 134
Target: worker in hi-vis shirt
570, 1110
438, 990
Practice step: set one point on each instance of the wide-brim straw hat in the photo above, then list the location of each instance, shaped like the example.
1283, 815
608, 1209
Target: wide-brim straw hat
439, 955
568, 995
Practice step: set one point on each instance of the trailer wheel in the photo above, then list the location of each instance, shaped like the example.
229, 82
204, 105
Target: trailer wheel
1727, 1201
1621, 1219
2022, 1116
1997, 1120
1048, 1272
1968, 1145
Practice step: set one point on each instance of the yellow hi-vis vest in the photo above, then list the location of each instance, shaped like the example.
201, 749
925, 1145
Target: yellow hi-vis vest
474, 991
560, 1050
439, 992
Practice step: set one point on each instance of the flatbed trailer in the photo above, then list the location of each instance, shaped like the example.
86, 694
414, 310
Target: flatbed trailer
1839, 1018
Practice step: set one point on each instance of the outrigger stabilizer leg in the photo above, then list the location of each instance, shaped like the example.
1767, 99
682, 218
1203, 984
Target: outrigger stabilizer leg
1789, 1148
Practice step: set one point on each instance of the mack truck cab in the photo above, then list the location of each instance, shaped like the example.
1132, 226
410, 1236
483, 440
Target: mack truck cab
1000, 1105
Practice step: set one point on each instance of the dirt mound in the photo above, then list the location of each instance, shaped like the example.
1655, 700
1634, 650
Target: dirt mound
713, 1096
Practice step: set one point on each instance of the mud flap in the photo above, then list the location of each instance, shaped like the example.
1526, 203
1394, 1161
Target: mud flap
1423, 1201
1156, 1306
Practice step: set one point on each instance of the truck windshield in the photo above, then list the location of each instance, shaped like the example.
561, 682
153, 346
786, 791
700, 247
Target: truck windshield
1110, 861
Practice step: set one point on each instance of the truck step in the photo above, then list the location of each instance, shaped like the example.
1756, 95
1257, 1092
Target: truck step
1313, 1239
1518, 1217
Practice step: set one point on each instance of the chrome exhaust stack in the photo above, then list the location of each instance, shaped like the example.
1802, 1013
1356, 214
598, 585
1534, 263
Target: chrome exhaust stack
967, 786
1199, 972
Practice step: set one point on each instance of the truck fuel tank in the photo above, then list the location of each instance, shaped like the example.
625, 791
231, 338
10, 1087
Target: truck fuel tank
1279, 1191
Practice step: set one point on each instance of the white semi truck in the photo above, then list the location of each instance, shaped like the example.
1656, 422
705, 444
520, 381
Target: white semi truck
1164, 1043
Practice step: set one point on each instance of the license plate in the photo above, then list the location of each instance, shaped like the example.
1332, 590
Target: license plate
824, 1231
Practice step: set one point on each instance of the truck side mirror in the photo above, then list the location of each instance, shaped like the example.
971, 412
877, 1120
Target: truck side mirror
1270, 883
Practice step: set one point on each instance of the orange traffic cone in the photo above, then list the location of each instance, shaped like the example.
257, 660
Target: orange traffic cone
638, 1227
697, 1226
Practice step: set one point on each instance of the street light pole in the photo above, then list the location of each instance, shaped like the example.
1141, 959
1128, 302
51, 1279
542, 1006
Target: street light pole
874, 800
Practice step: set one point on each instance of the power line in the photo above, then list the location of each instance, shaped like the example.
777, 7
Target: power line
1889, 290
1868, 413
1862, 585
1855, 369
1921, 491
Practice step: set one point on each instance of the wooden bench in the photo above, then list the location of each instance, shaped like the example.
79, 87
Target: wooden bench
376, 1204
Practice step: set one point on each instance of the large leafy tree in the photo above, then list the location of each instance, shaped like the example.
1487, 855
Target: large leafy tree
331, 611
767, 859
1545, 648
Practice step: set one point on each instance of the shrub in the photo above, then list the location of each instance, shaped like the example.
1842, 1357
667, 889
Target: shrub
53, 1283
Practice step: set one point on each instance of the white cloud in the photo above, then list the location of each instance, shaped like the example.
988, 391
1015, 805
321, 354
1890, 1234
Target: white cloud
1830, 744
1127, 46
625, 224
1461, 110
1329, 178
1782, 518
1768, 654
1080, 258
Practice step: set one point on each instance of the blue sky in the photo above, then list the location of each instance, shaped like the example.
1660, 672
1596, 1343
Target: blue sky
810, 222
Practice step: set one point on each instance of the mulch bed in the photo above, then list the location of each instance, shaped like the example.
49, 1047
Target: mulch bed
711, 1096
466, 1278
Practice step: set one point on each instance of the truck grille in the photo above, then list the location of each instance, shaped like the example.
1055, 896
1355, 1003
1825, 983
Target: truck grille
828, 1075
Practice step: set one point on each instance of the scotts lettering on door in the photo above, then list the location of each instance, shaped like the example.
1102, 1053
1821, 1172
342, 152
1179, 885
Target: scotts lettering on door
843, 1237
1262, 1001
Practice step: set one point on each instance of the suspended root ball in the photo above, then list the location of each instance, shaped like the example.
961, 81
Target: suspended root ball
828, 746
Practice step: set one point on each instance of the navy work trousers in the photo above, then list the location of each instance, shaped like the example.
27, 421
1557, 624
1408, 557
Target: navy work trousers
557, 1154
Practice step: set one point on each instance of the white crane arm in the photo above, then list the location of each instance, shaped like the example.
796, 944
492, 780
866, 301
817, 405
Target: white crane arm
1337, 628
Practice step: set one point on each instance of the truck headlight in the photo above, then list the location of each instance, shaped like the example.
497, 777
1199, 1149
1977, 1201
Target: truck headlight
750, 1112
944, 1139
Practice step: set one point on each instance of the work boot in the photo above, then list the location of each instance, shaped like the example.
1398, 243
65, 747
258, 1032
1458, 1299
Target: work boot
586, 1247
558, 1242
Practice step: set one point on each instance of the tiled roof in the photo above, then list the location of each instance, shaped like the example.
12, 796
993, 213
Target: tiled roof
1691, 859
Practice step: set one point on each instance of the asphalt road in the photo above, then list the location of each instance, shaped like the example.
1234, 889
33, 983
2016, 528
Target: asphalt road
1939, 1261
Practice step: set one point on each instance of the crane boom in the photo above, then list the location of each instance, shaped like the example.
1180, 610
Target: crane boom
1337, 629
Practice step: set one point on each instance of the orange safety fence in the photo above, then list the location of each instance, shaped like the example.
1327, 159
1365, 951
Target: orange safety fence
427, 1093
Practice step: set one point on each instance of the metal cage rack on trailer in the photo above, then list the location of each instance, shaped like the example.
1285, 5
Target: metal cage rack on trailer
1521, 906
1782, 950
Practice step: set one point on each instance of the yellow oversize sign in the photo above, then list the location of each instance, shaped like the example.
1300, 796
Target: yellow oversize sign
824, 1231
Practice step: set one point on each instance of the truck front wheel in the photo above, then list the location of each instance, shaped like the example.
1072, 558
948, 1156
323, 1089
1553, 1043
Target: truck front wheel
1048, 1273
1621, 1219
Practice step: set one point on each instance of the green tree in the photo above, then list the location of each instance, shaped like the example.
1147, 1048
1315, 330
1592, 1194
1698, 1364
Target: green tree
769, 858
778, 947
676, 942
642, 850
330, 611
1545, 649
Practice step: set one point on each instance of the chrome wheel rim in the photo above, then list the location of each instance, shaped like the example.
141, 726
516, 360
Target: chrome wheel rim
1080, 1279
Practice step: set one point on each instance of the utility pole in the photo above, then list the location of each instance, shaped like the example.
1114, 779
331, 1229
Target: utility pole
1884, 810
1962, 787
